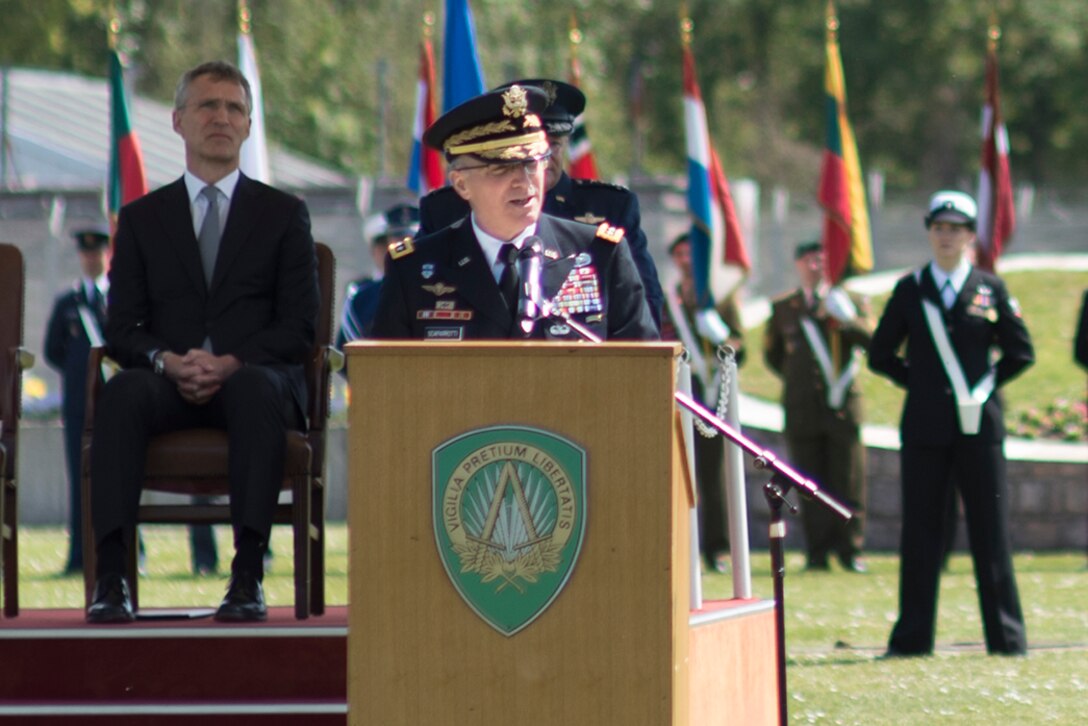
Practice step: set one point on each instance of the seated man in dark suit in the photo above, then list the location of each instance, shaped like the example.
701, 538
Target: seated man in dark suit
582, 200
212, 309
462, 281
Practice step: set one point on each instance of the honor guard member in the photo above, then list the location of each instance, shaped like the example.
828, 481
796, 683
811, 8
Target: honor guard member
76, 323
702, 332
463, 281
964, 338
814, 342
394, 225
582, 200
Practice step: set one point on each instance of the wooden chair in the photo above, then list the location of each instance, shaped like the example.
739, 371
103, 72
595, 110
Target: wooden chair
194, 462
13, 361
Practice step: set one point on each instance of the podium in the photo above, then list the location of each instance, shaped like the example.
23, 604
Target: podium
518, 521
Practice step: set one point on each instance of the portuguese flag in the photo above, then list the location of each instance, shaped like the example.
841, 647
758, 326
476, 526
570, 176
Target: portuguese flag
847, 239
127, 180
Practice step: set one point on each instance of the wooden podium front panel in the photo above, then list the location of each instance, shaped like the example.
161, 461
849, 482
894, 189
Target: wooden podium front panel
611, 648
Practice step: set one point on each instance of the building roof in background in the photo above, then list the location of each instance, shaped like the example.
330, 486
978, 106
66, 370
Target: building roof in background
58, 136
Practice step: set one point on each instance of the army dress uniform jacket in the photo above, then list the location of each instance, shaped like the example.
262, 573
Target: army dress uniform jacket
441, 287
581, 200
789, 355
983, 317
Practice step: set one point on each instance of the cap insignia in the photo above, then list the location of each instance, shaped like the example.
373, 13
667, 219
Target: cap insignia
515, 102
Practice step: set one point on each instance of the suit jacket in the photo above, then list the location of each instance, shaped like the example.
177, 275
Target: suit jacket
262, 304
441, 287
67, 346
581, 200
983, 317
788, 354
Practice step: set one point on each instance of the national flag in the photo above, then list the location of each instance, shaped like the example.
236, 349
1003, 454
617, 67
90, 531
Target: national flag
996, 213
717, 247
254, 162
582, 163
127, 180
462, 78
425, 172
847, 238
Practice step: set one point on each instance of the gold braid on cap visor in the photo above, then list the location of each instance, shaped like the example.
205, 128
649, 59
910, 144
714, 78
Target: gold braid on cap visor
533, 143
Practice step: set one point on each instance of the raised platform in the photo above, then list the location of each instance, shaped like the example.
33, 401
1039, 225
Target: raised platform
173, 671
57, 669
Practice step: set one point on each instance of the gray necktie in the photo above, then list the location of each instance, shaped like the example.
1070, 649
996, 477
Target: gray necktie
210, 232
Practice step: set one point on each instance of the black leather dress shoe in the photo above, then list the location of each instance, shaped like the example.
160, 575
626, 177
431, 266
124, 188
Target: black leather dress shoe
112, 602
244, 602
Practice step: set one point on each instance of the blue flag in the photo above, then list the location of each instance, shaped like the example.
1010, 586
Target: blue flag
462, 78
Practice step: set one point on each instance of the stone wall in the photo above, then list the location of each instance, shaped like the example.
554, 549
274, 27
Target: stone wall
1049, 498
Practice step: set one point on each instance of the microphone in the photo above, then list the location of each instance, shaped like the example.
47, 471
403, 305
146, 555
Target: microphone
529, 268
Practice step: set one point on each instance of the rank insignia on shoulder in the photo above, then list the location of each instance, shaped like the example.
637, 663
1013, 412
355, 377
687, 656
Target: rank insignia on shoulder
401, 248
439, 289
589, 218
610, 233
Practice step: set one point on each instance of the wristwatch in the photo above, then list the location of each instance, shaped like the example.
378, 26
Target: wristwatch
160, 363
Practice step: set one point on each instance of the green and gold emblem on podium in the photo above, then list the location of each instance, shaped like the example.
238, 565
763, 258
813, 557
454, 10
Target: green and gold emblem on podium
509, 518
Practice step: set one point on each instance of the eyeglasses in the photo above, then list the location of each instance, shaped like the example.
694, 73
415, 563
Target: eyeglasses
505, 170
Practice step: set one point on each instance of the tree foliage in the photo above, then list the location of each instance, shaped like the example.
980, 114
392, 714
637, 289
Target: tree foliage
339, 75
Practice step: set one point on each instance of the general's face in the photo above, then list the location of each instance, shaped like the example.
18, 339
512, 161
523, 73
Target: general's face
214, 121
950, 242
506, 198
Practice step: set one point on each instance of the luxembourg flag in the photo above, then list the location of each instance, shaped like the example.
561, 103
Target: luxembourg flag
718, 255
425, 172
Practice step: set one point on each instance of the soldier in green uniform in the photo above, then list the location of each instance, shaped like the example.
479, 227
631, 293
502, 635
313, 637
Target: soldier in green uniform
814, 341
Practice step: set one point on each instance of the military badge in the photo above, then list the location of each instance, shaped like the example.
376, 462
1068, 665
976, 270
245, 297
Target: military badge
427, 271
583, 259
581, 292
401, 248
515, 102
589, 218
509, 509
439, 289
609, 233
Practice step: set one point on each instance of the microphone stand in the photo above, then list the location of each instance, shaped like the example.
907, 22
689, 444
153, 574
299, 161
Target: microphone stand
783, 477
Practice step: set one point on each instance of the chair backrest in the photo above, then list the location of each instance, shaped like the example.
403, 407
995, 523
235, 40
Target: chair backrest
317, 373
12, 282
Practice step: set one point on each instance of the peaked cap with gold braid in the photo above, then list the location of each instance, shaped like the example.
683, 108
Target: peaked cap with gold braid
498, 126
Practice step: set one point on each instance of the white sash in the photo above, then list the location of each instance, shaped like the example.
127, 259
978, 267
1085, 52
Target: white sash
90, 325
969, 402
836, 387
689, 341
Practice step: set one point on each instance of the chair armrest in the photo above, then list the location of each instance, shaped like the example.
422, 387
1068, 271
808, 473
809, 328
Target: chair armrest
326, 361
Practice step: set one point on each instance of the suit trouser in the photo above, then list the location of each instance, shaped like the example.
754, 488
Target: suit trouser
254, 407
977, 467
835, 460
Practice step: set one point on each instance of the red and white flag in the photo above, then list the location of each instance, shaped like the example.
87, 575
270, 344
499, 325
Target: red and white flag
996, 211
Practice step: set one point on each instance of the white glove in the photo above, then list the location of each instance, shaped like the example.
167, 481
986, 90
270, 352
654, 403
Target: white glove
839, 305
711, 326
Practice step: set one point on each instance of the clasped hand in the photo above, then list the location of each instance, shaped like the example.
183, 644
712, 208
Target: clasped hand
199, 374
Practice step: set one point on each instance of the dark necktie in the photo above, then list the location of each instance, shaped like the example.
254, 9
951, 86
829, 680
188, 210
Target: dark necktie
209, 233
948, 295
508, 280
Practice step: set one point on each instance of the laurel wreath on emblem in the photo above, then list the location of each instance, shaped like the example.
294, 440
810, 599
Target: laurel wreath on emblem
510, 538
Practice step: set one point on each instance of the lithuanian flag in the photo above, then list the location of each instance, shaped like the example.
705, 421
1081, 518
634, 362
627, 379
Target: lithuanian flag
127, 180
847, 239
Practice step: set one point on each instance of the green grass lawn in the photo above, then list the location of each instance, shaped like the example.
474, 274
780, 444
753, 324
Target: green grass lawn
836, 626
1050, 301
